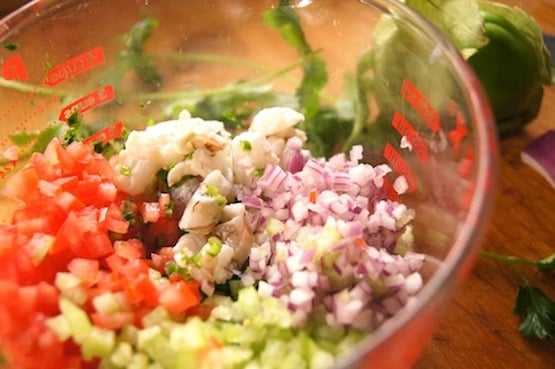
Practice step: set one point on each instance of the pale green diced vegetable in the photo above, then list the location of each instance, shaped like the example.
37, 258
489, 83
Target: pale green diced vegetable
59, 326
237, 334
157, 345
79, 324
71, 287
289, 358
99, 343
122, 355
248, 303
65, 281
155, 317
193, 335
130, 334
109, 303
274, 226
139, 361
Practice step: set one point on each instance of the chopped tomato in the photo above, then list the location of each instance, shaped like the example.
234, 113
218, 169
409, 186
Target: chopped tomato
178, 297
115, 320
137, 284
23, 185
68, 202
150, 211
70, 218
85, 269
114, 220
162, 258
130, 249
165, 232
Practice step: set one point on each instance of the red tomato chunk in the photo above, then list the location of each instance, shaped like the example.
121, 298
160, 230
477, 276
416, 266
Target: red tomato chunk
71, 223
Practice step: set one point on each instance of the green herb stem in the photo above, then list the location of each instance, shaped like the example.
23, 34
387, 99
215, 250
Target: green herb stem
210, 58
234, 87
31, 88
509, 259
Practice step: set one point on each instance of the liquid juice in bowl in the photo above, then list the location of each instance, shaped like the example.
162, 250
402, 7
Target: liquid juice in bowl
423, 123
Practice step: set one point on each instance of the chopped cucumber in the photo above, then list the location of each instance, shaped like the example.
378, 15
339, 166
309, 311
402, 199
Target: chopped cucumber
99, 343
60, 326
156, 317
77, 319
248, 302
122, 355
157, 346
109, 303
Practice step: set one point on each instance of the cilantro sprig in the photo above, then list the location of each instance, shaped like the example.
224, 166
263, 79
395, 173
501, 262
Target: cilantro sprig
318, 118
534, 307
135, 55
537, 312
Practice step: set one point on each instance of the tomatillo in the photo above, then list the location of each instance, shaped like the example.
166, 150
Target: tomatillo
513, 66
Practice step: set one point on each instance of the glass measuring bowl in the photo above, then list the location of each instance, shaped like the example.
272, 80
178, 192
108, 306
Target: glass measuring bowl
423, 111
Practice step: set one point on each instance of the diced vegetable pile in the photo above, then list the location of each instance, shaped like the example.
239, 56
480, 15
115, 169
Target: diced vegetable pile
193, 248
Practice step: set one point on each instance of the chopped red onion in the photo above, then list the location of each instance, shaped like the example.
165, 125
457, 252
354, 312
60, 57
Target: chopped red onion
405, 143
413, 283
540, 155
400, 185
331, 212
301, 296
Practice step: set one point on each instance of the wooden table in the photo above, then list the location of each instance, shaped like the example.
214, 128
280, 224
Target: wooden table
479, 330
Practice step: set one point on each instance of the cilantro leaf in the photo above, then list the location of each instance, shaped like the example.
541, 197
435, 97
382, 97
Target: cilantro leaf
76, 130
11, 46
23, 138
35, 141
315, 77
547, 263
135, 41
468, 35
537, 312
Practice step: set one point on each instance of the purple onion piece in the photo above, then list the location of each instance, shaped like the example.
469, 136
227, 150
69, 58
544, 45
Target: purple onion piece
540, 155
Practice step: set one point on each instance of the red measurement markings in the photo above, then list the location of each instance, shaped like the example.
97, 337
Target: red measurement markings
74, 66
7, 168
88, 102
421, 104
399, 164
460, 132
466, 164
390, 192
402, 125
14, 68
106, 134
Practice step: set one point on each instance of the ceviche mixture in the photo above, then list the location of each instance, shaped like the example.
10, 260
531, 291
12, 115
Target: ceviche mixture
193, 247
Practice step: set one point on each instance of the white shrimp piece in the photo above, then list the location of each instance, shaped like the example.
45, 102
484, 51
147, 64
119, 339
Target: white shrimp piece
235, 232
204, 209
218, 266
182, 194
217, 179
165, 145
213, 268
189, 244
201, 214
277, 121
250, 151
278, 125
202, 162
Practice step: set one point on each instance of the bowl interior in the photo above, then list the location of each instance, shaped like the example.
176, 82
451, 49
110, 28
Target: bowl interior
419, 106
